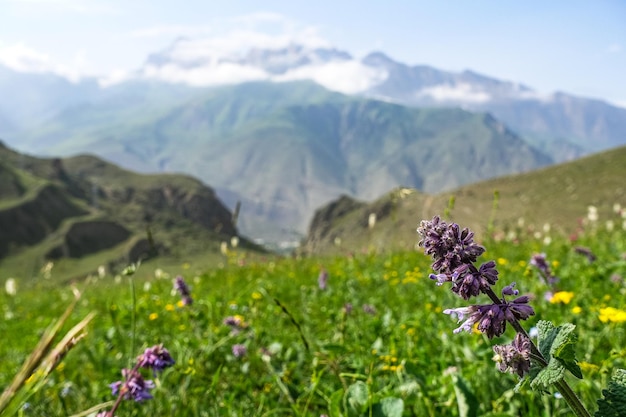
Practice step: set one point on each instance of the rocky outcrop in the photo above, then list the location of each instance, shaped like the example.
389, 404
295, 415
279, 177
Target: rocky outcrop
325, 218
85, 238
33, 220
199, 205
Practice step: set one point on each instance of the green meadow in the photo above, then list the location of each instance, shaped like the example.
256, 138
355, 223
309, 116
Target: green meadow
374, 342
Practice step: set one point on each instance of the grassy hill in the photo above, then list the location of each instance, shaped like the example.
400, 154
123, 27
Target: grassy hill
557, 196
82, 213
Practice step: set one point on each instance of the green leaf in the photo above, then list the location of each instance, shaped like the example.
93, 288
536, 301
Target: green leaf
335, 404
356, 397
388, 407
557, 345
614, 402
465, 398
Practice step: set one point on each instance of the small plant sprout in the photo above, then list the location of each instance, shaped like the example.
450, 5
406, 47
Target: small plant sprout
454, 254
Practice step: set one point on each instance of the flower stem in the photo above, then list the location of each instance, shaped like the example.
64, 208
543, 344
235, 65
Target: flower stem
566, 391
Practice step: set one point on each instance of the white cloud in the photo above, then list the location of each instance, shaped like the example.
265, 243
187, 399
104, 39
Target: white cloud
237, 42
206, 75
21, 58
114, 77
618, 103
347, 77
458, 93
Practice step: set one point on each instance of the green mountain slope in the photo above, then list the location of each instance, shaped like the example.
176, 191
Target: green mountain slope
77, 208
558, 196
287, 148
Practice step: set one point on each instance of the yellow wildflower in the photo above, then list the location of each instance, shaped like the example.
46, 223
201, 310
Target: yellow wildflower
563, 297
577, 310
502, 261
170, 307
612, 314
586, 366
256, 295
153, 316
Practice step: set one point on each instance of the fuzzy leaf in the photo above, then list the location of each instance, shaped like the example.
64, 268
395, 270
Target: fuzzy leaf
557, 345
388, 407
356, 398
614, 402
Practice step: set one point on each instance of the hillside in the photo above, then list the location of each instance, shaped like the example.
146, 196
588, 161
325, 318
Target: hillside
558, 195
285, 149
75, 208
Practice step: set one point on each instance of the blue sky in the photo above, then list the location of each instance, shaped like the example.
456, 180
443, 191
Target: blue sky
573, 46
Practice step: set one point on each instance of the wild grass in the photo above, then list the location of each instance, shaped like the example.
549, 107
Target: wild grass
374, 342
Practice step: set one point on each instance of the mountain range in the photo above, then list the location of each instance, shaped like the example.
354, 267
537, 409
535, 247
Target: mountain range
286, 130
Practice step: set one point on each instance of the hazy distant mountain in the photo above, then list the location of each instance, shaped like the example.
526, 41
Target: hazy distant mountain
562, 125
287, 148
29, 99
586, 124
283, 145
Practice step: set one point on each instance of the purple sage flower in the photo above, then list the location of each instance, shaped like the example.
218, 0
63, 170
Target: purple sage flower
491, 319
454, 252
449, 246
514, 357
156, 358
134, 386
239, 350
539, 261
586, 252
322, 280
181, 286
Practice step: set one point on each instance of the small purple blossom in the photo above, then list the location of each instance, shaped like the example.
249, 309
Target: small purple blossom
134, 386
491, 319
586, 252
322, 280
239, 350
181, 286
454, 252
233, 321
514, 357
156, 358
347, 308
539, 261
449, 246
369, 309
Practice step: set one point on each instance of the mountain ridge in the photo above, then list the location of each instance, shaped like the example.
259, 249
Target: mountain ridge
58, 209
554, 198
